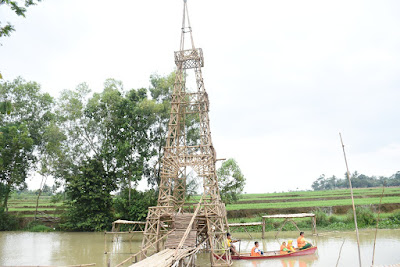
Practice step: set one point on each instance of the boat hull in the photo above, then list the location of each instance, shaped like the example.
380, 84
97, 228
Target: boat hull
276, 254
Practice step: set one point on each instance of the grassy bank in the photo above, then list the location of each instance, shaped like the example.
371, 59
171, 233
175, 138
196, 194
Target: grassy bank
332, 208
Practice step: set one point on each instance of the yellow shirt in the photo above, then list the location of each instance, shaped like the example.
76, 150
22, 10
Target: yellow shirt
229, 243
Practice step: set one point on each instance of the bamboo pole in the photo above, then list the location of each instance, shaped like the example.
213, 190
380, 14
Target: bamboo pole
352, 200
377, 223
340, 252
263, 228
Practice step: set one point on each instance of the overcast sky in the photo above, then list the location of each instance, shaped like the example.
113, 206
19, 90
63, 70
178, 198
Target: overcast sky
283, 77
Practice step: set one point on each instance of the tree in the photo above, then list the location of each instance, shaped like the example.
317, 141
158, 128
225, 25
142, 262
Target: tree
134, 136
90, 207
52, 154
23, 118
19, 11
231, 181
160, 90
16, 157
357, 181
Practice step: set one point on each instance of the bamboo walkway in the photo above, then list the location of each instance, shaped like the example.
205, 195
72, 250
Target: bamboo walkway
163, 258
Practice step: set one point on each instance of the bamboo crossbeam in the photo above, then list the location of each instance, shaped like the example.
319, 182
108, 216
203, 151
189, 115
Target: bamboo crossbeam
297, 215
244, 224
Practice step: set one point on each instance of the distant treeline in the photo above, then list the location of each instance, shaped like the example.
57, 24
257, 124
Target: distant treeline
357, 181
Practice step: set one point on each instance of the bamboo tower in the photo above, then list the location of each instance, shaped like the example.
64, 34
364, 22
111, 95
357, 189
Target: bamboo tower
210, 223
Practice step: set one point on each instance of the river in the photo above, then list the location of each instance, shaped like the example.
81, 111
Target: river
59, 248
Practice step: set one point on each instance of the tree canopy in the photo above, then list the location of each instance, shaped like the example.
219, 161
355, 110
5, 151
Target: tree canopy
357, 181
6, 30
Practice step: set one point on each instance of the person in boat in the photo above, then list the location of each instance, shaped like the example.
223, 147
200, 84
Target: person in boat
255, 251
302, 243
284, 249
231, 247
290, 246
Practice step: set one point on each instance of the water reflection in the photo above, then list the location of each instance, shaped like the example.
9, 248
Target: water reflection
23, 248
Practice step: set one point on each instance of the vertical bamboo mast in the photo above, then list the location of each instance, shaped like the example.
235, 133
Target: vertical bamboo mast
377, 223
352, 200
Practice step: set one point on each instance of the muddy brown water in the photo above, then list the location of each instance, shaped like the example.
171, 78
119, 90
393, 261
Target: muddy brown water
57, 248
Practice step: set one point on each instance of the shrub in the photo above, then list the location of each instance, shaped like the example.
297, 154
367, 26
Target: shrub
395, 217
8, 222
321, 217
140, 203
365, 216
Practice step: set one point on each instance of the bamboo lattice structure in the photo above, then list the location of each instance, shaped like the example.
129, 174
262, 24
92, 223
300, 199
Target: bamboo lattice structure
208, 224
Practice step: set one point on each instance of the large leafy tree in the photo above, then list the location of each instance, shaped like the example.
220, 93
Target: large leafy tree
134, 135
24, 116
231, 181
90, 207
160, 90
16, 157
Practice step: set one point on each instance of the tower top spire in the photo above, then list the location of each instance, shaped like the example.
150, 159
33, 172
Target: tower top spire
186, 28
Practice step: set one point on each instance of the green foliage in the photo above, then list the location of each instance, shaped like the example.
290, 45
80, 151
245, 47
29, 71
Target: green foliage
28, 111
357, 181
395, 217
18, 10
16, 148
36, 226
365, 216
56, 198
231, 181
8, 222
321, 217
141, 201
90, 206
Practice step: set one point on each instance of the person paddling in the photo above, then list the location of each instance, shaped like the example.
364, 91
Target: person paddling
255, 251
231, 247
302, 243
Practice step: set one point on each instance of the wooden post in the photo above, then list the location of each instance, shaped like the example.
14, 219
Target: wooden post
263, 228
105, 243
314, 221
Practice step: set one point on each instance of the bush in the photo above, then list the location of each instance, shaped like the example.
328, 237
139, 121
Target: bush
365, 216
321, 217
36, 226
140, 203
8, 222
395, 217
334, 219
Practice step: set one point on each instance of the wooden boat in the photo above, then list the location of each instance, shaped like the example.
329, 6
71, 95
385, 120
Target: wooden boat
275, 254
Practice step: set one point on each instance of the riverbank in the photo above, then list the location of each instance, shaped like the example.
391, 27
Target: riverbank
332, 207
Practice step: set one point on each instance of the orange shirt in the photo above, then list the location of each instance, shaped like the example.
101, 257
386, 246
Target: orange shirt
301, 242
282, 247
253, 253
